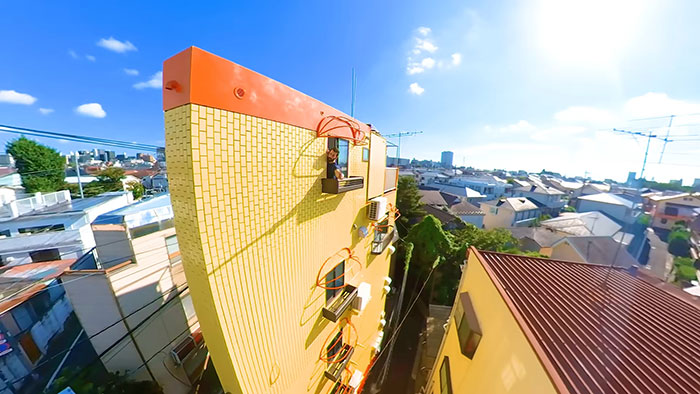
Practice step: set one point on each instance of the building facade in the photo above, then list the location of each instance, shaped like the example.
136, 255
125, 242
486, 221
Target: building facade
135, 277
509, 212
446, 159
287, 272
667, 210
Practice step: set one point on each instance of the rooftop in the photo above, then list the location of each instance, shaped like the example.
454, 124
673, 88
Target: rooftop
586, 223
543, 236
466, 208
21, 282
597, 329
431, 197
515, 203
539, 190
608, 198
144, 212
601, 250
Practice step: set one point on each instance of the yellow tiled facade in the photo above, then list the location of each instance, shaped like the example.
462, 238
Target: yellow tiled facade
254, 229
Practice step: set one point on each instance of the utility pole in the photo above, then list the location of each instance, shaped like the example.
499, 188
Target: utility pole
399, 135
77, 173
668, 130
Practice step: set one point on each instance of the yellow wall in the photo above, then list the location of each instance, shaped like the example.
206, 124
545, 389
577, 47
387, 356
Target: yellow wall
254, 230
504, 361
564, 251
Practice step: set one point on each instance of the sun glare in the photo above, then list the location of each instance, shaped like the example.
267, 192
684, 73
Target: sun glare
587, 33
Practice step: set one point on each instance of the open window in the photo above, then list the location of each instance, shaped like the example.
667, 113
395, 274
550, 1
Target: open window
468, 328
331, 184
339, 296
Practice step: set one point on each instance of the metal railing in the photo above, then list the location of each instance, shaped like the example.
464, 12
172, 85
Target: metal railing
23, 206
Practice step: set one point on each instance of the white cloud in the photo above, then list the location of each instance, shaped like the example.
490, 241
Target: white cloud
115, 45
92, 109
45, 111
90, 58
416, 89
582, 114
428, 63
522, 126
658, 104
425, 45
414, 69
131, 71
557, 132
15, 97
456, 59
423, 31
72, 54
156, 82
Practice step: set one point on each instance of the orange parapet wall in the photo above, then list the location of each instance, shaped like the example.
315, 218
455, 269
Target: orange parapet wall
194, 76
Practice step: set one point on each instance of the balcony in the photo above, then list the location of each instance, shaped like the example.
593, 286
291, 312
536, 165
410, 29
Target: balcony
383, 240
337, 186
24, 206
391, 179
340, 303
335, 367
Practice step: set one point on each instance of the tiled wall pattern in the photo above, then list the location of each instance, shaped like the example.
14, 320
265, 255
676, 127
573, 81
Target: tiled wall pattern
254, 230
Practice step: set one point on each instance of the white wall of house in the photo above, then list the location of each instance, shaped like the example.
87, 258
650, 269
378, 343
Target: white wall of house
617, 212
497, 217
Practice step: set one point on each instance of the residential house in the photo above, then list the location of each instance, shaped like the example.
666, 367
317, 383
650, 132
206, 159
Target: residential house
33, 309
51, 226
587, 224
135, 277
594, 250
538, 326
288, 269
509, 212
432, 197
10, 177
491, 187
615, 206
463, 192
589, 188
536, 239
549, 197
468, 212
667, 210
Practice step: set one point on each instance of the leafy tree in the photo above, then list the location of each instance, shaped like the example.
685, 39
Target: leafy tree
431, 243
537, 222
679, 241
108, 180
569, 208
644, 220
408, 203
136, 189
683, 272
687, 261
42, 168
497, 239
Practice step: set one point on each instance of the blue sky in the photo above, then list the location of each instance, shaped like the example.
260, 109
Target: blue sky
515, 85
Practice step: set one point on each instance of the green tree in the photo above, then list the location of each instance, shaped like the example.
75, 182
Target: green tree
408, 203
683, 272
569, 208
644, 219
108, 180
42, 168
538, 222
136, 188
431, 243
679, 241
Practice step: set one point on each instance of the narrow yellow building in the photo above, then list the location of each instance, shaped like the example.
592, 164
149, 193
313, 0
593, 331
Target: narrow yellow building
288, 267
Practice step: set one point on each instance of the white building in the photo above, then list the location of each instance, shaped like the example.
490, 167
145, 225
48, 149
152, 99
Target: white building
618, 208
48, 227
135, 277
509, 212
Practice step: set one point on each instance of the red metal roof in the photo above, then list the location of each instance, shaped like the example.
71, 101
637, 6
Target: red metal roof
600, 330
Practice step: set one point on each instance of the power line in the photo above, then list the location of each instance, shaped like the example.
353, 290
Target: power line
78, 138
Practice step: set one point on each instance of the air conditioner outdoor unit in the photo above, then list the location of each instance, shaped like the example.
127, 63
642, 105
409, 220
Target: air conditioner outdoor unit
377, 208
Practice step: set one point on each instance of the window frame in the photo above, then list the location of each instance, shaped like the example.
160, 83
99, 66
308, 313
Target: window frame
467, 325
174, 257
343, 155
337, 271
445, 376
45, 251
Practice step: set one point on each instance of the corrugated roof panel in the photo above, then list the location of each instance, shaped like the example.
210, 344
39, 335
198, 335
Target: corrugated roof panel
604, 330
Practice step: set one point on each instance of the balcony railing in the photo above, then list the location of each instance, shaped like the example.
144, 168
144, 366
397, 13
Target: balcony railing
335, 368
38, 201
391, 178
340, 303
382, 240
337, 186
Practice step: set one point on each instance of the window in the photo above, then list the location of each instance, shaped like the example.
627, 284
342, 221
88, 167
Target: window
173, 249
365, 154
673, 211
343, 154
151, 228
4, 233
45, 255
445, 379
41, 229
493, 210
468, 329
188, 306
335, 280
335, 345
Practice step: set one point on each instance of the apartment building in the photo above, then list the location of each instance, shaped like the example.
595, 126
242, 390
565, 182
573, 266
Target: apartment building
509, 212
667, 210
288, 266
33, 309
549, 198
618, 208
131, 297
52, 226
527, 325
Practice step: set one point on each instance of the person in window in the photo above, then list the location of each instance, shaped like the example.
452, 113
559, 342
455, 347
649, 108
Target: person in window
332, 168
